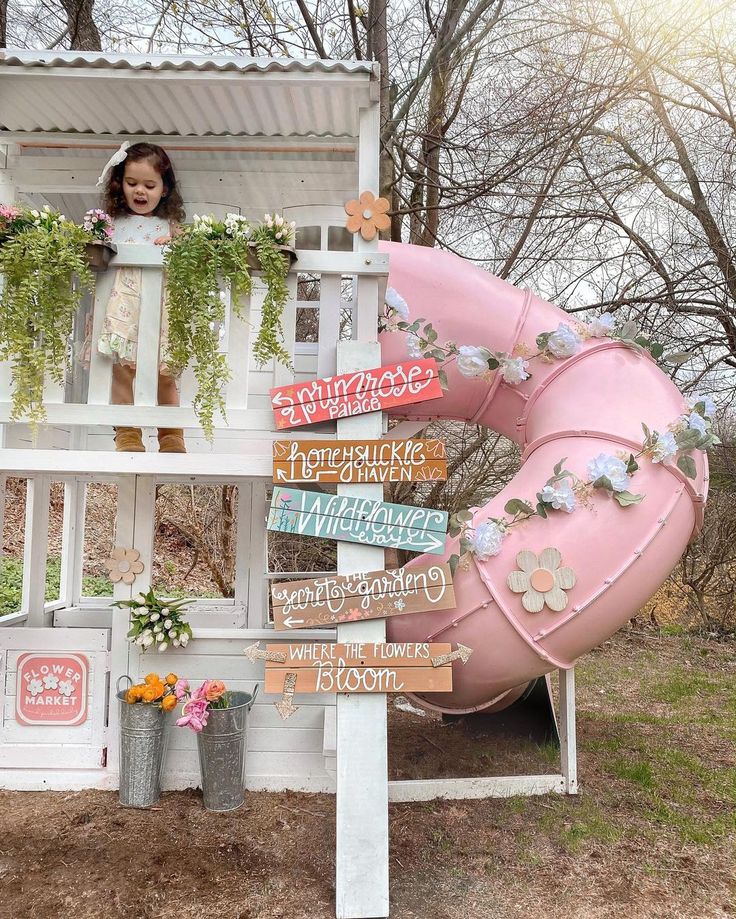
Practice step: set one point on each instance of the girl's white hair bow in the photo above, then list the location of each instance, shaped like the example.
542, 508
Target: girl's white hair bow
118, 156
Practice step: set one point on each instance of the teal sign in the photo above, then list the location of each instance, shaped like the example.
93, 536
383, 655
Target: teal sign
399, 526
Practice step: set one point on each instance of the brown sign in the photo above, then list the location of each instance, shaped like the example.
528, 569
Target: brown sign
359, 667
333, 598
359, 461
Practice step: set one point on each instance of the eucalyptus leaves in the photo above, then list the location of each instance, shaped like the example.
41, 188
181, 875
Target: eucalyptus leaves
200, 257
40, 254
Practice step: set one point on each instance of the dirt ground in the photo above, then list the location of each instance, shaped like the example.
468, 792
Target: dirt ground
652, 834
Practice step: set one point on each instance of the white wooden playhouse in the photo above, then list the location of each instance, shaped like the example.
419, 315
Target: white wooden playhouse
246, 135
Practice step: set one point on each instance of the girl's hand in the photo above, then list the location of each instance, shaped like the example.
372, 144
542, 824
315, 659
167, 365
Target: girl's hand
162, 241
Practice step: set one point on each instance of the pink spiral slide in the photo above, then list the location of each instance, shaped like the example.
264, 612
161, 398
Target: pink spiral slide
591, 403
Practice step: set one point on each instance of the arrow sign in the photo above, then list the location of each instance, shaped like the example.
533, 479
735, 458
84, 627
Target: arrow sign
285, 707
462, 652
254, 653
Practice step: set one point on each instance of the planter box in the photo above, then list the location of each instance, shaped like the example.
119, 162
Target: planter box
255, 265
99, 254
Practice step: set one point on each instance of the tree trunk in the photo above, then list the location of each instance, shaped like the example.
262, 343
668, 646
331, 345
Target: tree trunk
81, 25
3, 23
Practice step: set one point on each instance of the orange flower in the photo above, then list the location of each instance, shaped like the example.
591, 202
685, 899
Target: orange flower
215, 688
171, 678
168, 703
133, 695
152, 678
150, 694
367, 215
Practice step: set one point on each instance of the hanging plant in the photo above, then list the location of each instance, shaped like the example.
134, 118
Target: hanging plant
197, 261
269, 240
40, 254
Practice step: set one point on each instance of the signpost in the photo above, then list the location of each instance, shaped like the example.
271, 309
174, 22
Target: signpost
331, 599
362, 520
360, 667
355, 393
359, 461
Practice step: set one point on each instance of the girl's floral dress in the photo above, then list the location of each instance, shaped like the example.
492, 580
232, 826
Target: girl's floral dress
119, 336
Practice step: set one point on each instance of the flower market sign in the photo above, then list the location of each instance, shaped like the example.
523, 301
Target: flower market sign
331, 599
359, 461
360, 667
51, 688
356, 393
311, 513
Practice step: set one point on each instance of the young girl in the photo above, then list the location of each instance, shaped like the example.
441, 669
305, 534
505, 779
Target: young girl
142, 197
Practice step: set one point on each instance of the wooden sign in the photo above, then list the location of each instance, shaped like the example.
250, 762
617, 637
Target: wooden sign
360, 667
51, 688
311, 513
356, 393
359, 461
330, 599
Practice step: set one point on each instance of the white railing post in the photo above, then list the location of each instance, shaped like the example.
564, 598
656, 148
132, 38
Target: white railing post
568, 731
149, 338
35, 550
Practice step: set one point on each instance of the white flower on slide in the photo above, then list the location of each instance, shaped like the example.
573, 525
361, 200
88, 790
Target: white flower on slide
486, 540
710, 406
394, 301
664, 447
605, 466
471, 360
601, 326
514, 370
697, 423
560, 496
563, 342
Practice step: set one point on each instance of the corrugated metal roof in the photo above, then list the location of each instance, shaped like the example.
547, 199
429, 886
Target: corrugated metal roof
90, 93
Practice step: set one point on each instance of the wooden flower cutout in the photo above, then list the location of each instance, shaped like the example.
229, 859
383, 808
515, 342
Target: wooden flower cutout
124, 565
367, 215
541, 580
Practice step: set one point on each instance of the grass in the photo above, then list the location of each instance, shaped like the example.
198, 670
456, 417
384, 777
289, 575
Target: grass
11, 583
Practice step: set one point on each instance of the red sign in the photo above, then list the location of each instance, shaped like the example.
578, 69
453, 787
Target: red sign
356, 393
51, 688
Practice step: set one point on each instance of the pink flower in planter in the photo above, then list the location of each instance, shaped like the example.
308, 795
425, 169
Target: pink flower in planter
195, 715
181, 688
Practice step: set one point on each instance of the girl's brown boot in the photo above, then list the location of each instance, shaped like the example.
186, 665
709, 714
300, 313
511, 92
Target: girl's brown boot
129, 440
171, 440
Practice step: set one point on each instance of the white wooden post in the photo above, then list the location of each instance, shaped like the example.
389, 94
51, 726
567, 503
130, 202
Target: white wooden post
362, 759
35, 550
568, 733
72, 542
149, 336
8, 194
119, 647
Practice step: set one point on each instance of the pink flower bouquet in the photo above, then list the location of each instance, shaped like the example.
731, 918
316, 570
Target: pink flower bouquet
196, 709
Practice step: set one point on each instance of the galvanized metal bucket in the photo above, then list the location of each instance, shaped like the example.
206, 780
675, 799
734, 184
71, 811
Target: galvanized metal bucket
143, 737
221, 746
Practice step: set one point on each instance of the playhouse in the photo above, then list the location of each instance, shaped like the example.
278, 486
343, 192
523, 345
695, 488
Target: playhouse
247, 135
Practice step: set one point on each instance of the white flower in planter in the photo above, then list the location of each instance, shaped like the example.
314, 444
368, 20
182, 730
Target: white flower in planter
471, 360
167, 624
173, 633
35, 687
147, 639
66, 688
541, 580
605, 466
154, 617
176, 642
601, 326
514, 370
559, 496
160, 636
184, 639
563, 342
412, 346
709, 404
163, 646
51, 681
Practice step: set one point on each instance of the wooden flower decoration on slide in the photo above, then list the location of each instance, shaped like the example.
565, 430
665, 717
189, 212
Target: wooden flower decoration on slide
124, 565
541, 580
367, 215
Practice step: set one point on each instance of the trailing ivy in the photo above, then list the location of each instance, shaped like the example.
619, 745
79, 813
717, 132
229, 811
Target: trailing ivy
196, 262
40, 255
275, 267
